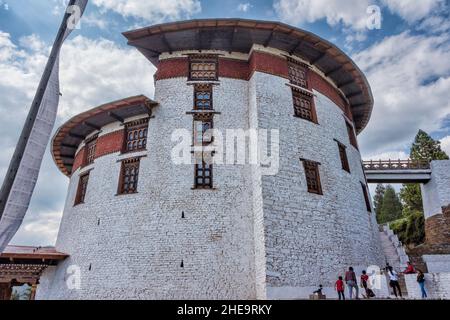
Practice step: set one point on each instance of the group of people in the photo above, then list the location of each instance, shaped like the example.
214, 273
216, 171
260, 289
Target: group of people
352, 284
393, 279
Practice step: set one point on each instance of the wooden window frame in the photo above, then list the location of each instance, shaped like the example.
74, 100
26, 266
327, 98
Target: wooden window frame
203, 87
203, 59
90, 146
299, 110
202, 118
343, 156
351, 134
366, 196
309, 166
83, 183
134, 127
296, 66
136, 163
203, 177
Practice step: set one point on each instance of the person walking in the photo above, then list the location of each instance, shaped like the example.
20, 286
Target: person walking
364, 280
421, 281
340, 288
352, 283
393, 282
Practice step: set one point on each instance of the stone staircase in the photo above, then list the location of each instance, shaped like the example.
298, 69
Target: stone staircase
394, 253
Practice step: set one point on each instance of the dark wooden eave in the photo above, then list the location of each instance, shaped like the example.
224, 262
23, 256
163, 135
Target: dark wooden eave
239, 35
70, 135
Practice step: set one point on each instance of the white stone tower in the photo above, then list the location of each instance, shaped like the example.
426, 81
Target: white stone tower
139, 226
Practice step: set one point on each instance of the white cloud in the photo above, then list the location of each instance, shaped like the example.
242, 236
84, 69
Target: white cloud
445, 144
413, 10
39, 230
410, 78
392, 155
244, 7
152, 10
351, 13
92, 72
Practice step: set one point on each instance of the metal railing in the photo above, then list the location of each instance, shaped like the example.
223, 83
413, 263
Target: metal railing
396, 165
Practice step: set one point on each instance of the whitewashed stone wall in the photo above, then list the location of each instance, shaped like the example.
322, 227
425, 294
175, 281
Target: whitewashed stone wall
136, 251
312, 239
437, 263
251, 237
437, 286
436, 193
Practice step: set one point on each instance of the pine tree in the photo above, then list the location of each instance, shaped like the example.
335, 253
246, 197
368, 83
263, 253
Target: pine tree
426, 148
391, 208
378, 199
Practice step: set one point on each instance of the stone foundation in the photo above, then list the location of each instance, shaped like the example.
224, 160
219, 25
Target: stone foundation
437, 228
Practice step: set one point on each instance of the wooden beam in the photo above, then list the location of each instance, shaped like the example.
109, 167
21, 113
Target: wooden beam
312, 62
344, 84
329, 73
70, 146
269, 39
91, 125
296, 46
76, 136
166, 43
116, 117
354, 94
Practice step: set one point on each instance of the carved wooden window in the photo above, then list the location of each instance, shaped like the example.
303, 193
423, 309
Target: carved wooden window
91, 146
298, 73
312, 176
304, 105
203, 175
366, 197
129, 176
82, 187
203, 97
343, 156
203, 67
136, 135
202, 123
351, 134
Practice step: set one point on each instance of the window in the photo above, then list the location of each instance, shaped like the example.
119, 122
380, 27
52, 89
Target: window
202, 123
203, 67
91, 146
129, 176
203, 175
312, 176
343, 156
136, 135
298, 73
203, 97
304, 105
351, 134
366, 197
82, 187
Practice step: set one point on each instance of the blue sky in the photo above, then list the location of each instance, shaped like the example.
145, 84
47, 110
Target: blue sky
407, 62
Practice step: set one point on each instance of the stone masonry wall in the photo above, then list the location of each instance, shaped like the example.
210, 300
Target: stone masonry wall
311, 239
437, 286
132, 246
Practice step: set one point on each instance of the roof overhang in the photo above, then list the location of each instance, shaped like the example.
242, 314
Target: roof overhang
239, 35
37, 254
69, 136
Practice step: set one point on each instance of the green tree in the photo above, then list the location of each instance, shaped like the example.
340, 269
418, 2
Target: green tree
426, 148
391, 207
378, 198
411, 230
